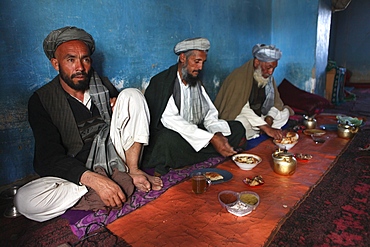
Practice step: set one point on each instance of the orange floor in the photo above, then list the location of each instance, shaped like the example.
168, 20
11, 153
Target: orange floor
181, 218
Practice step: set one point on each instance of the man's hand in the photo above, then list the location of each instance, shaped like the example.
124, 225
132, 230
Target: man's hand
274, 133
109, 192
222, 146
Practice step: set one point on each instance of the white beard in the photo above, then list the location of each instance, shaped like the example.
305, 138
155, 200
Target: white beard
257, 75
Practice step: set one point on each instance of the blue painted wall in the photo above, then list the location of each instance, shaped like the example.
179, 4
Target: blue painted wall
135, 41
294, 29
302, 29
351, 35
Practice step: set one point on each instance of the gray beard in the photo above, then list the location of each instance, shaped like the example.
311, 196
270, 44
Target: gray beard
257, 75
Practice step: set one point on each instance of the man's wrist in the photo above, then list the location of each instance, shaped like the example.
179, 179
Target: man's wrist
269, 118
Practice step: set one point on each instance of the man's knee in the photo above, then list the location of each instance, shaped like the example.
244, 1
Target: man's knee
47, 197
130, 93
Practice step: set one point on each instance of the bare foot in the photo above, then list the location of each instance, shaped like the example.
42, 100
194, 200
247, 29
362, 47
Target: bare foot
140, 182
156, 182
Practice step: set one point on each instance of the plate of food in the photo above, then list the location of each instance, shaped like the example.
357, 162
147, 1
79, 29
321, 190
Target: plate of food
239, 203
246, 161
288, 141
256, 181
316, 132
216, 176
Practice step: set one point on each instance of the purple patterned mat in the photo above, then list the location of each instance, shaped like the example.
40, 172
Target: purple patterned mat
84, 222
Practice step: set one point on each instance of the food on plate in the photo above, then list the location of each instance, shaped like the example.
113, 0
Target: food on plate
246, 159
228, 198
257, 180
303, 156
290, 137
249, 199
214, 176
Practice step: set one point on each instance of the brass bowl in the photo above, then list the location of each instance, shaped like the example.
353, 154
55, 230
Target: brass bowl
284, 163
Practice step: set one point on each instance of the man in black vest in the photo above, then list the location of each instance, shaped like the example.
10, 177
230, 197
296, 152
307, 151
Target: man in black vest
86, 153
184, 126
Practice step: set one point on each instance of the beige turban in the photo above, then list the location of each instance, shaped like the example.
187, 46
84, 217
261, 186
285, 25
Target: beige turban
266, 53
59, 36
202, 44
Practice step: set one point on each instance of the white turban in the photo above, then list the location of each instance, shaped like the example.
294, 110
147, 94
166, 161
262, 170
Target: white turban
266, 53
202, 44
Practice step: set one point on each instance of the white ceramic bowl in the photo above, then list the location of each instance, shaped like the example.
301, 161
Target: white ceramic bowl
287, 146
246, 161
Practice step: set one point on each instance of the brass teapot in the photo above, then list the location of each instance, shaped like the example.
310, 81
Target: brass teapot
284, 163
347, 130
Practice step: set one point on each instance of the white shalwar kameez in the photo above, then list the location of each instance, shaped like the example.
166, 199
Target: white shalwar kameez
196, 137
251, 121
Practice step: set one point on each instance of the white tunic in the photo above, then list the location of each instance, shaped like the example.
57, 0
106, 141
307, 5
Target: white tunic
251, 121
196, 137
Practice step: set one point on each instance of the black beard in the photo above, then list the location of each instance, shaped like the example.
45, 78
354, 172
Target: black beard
191, 80
82, 85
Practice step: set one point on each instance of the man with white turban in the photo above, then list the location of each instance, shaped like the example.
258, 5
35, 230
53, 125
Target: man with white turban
184, 126
249, 95
86, 153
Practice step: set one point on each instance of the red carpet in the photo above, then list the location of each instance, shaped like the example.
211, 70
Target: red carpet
336, 212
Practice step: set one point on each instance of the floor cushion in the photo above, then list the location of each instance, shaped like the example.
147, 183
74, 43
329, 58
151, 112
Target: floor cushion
302, 102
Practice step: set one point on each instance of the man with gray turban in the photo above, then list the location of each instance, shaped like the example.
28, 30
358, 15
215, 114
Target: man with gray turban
184, 125
249, 95
86, 153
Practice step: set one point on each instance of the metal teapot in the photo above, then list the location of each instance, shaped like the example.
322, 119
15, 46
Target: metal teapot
347, 130
284, 163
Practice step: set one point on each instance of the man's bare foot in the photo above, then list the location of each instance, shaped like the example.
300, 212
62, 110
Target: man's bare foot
155, 181
141, 182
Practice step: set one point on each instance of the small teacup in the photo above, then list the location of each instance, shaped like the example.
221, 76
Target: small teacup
200, 183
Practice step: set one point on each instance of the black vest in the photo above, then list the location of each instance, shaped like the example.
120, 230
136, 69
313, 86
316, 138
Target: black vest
257, 98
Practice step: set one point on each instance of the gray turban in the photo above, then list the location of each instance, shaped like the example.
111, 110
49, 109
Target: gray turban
202, 44
59, 36
266, 53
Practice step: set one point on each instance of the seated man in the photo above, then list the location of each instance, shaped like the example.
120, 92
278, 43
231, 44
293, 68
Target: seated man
249, 95
87, 156
184, 126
